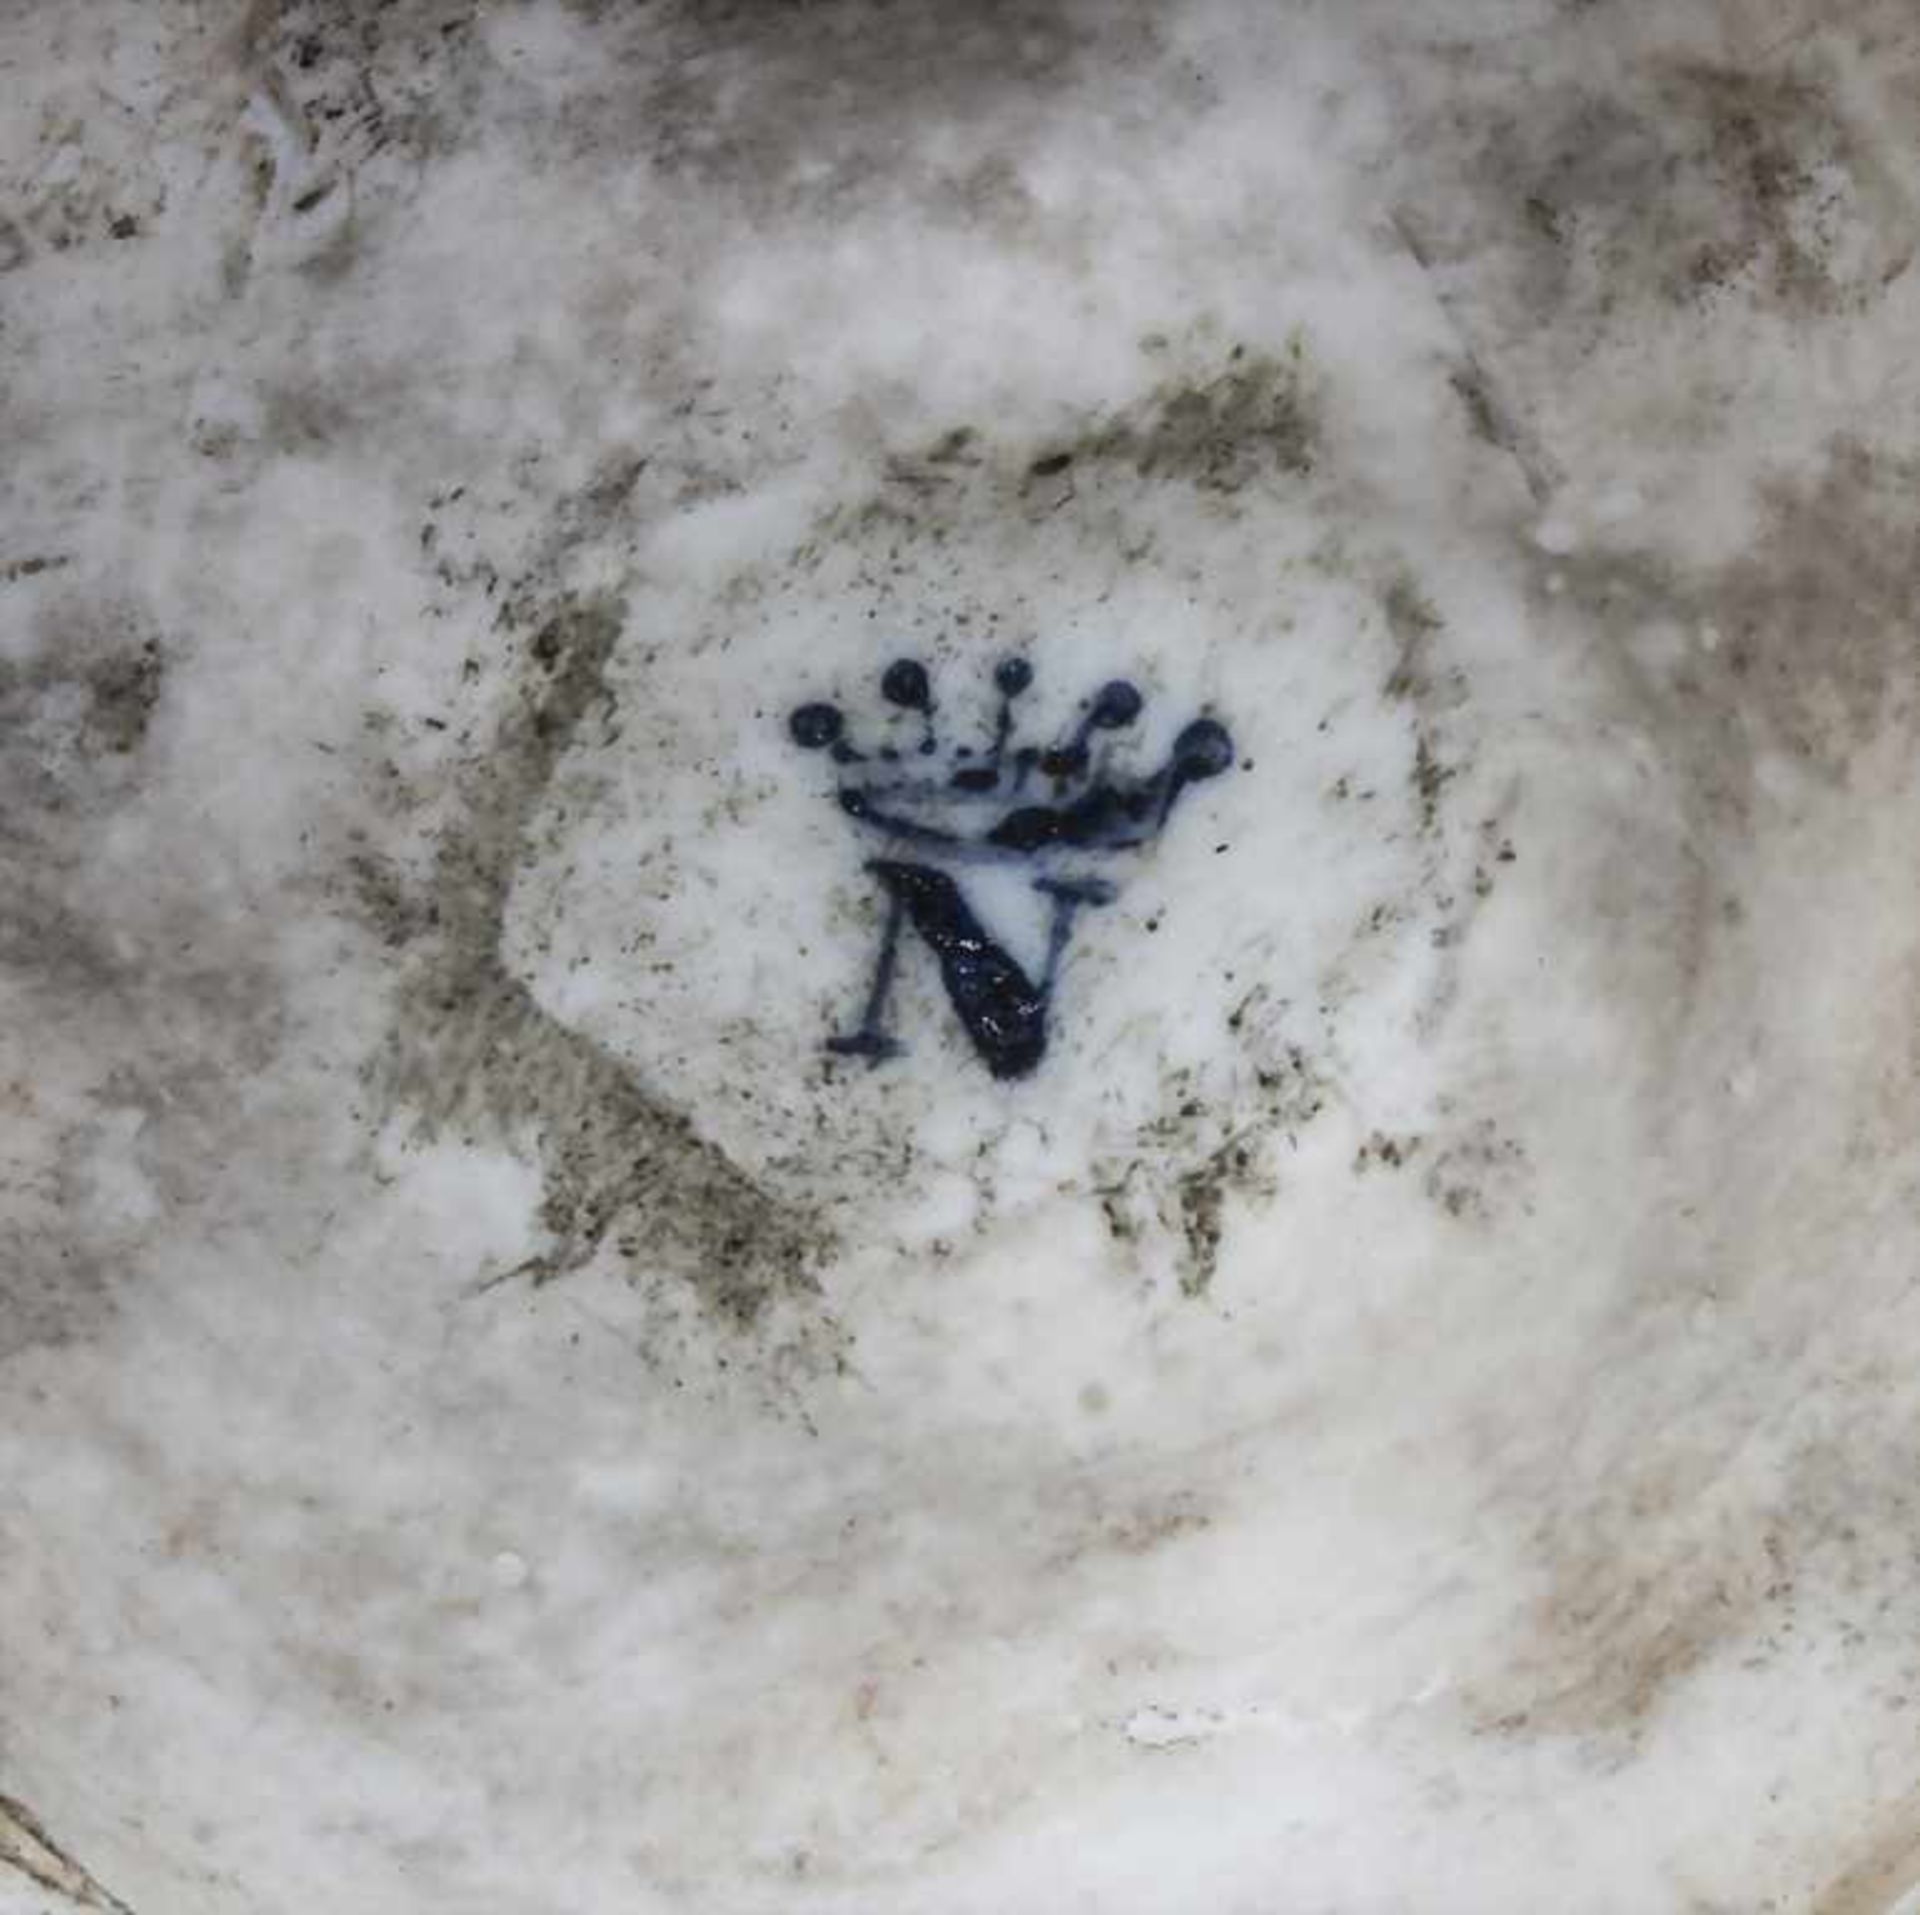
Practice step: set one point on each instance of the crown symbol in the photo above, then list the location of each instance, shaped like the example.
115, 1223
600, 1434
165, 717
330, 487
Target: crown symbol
1054, 807
1007, 800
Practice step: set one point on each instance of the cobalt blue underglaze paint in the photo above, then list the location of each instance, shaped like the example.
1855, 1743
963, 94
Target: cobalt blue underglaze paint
1051, 807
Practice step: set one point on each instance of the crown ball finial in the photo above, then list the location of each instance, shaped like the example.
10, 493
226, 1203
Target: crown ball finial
1204, 749
1013, 676
1116, 703
905, 683
814, 727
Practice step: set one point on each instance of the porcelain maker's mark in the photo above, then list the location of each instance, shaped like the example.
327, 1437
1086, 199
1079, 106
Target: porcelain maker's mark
1061, 810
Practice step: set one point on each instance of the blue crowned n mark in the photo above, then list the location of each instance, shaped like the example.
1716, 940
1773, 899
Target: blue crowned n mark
1062, 810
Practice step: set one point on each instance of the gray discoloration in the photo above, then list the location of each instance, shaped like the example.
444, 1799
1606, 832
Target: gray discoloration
1684, 180
1252, 421
1817, 624
1203, 1200
1805, 643
16, 569
747, 90
56, 1280
1885, 1868
1620, 243
1795, 672
74, 715
474, 1054
1429, 689
1415, 626
1227, 424
770, 105
123, 688
1786, 171
134, 1049
1386, 1152
87, 693
1475, 1173
1684, 1548
1472, 1171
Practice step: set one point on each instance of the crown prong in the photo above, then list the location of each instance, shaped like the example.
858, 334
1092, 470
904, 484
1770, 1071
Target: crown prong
905, 683
1116, 705
1091, 806
816, 726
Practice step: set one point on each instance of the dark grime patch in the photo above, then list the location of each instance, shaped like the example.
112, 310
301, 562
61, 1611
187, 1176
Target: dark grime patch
473, 1053
1805, 643
87, 694
1233, 427
139, 1001
1429, 690
1171, 1183
1255, 420
1677, 183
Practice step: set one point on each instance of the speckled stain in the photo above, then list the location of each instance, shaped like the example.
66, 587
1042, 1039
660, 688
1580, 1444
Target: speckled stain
75, 712
1176, 1177
1251, 421
474, 1055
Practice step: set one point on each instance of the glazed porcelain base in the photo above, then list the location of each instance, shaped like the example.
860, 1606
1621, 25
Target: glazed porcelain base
1364, 1364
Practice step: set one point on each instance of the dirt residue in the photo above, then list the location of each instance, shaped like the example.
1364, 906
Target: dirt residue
88, 692
1173, 1180
1652, 1573
1878, 1880
1476, 1174
1600, 189
1415, 627
1805, 644
1146, 1522
1254, 420
1776, 160
475, 1055
1700, 178
1752, 689
735, 93
776, 107
55, 1277
1818, 623
1786, 663
75, 714
1229, 425
1428, 688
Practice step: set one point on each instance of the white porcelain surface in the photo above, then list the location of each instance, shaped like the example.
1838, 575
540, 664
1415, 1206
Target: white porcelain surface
1410, 1407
